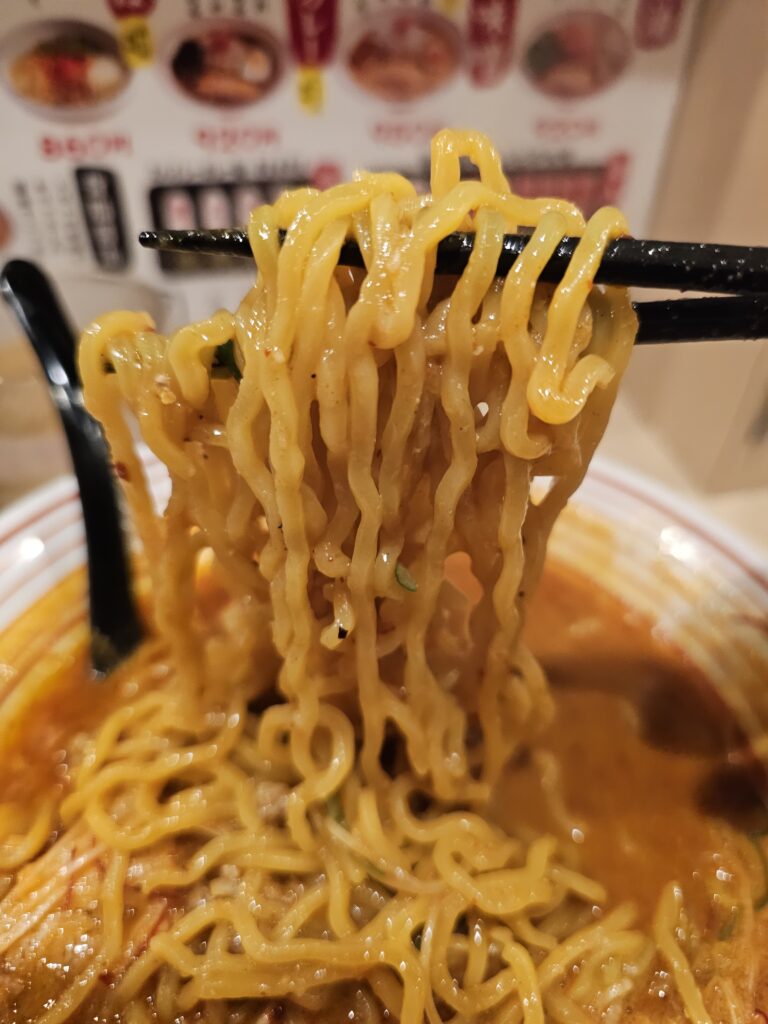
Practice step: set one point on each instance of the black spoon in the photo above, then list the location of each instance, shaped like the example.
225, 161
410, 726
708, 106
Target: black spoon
115, 625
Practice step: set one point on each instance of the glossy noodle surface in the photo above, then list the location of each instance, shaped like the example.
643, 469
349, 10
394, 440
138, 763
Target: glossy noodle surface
299, 805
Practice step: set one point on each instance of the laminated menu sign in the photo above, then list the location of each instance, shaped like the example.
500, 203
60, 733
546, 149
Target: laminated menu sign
120, 115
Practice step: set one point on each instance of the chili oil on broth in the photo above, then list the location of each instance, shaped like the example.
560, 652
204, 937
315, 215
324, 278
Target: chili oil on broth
640, 776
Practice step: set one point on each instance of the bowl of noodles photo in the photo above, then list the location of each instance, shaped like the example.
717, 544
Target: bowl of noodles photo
404, 55
577, 54
64, 69
225, 62
436, 717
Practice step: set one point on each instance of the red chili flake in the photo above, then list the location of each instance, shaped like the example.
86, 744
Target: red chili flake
122, 471
161, 920
67, 901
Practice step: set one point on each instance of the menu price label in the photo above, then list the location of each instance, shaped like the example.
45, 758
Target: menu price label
102, 211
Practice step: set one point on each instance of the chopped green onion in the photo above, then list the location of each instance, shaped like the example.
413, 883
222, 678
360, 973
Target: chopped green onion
729, 926
224, 362
335, 809
404, 578
378, 875
755, 838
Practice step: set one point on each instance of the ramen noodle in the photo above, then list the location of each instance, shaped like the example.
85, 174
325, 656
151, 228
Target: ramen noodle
288, 811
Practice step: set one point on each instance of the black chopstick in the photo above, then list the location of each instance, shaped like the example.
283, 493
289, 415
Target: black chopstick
722, 319
643, 263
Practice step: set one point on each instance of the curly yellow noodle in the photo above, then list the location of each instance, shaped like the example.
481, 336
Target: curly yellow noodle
25, 837
290, 804
665, 926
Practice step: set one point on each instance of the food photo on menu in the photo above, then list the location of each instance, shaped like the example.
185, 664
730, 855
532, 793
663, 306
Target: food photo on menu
227, 64
383, 512
64, 65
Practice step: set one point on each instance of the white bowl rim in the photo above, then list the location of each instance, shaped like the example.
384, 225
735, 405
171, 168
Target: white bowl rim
689, 513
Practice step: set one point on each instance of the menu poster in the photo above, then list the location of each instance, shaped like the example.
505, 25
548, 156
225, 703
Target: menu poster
120, 115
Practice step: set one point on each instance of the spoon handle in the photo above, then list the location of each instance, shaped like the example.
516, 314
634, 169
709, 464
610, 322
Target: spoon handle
115, 624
